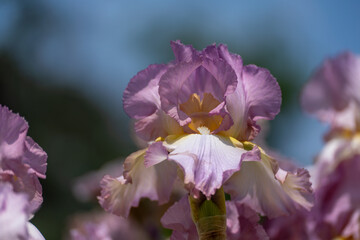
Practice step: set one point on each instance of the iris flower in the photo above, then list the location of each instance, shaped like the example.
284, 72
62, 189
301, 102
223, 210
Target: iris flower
22, 163
199, 115
333, 96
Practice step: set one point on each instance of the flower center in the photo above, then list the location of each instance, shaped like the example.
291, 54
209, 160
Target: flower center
199, 111
203, 130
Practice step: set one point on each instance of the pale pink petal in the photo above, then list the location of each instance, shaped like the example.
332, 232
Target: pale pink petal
13, 214
257, 96
23, 180
178, 218
35, 157
335, 151
338, 198
34, 233
118, 195
170, 90
293, 227
155, 154
13, 130
332, 92
156, 125
353, 226
207, 160
243, 222
297, 186
141, 98
233, 60
142, 102
267, 191
202, 76
183, 53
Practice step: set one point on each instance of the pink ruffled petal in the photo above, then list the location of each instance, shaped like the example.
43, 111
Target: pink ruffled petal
23, 179
207, 160
142, 102
155, 154
243, 222
332, 92
170, 90
203, 76
22, 161
335, 151
157, 125
35, 157
183, 53
141, 98
257, 96
268, 189
13, 130
338, 199
293, 227
118, 195
178, 218
262, 91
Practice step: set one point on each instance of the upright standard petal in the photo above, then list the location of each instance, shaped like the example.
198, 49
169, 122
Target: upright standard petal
13, 130
142, 102
332, 92
189, 81
118, 195
183, 53
206, 160
257, 96
35, 157
268, 189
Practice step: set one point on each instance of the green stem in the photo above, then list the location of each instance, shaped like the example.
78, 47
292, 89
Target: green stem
209, 216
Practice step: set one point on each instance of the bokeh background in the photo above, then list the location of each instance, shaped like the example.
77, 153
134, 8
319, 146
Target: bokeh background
64, 65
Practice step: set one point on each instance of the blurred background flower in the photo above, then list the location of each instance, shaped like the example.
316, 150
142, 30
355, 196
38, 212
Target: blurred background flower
65, 64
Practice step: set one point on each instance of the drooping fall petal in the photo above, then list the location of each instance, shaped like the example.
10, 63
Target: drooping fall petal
207, 160
268, 189
118, 195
